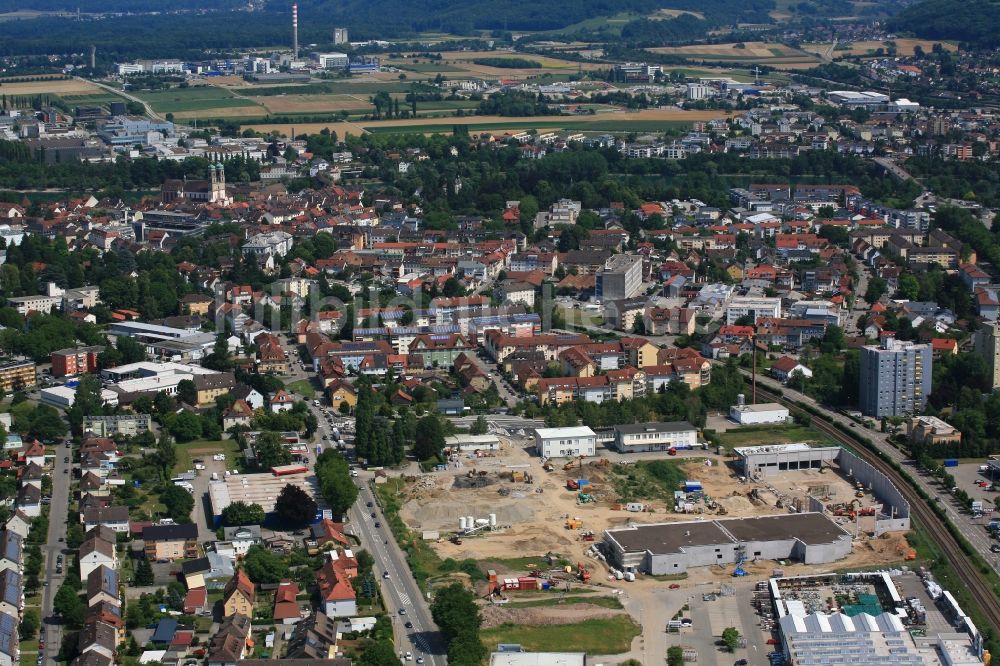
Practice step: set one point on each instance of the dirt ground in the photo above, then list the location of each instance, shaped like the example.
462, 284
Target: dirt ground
534, 523
494, 616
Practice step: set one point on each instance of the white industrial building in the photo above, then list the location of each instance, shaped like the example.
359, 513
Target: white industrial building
332, 60
765, 412
472, 443
836, 639
63, 397
565, 442
519, 658
642, 437
671, 548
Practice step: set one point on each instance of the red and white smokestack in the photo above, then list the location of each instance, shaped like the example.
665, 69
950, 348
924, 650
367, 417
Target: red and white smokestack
295, 31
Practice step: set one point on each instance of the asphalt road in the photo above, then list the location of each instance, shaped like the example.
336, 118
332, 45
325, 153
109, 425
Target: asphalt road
399, 590
61, 480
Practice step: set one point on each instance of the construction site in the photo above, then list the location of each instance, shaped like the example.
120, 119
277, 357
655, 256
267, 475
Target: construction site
488, 505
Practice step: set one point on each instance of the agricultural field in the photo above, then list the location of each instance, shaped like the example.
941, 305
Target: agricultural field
646, 120
195, 98
904, 47
51, 86
777, 55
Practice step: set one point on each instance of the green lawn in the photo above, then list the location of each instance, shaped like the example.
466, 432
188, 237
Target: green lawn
201, 448
601, 636
758, 435
303, 387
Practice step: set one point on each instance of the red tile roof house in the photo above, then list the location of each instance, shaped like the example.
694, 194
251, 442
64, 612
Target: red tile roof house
336, 592
286, 608
195, 601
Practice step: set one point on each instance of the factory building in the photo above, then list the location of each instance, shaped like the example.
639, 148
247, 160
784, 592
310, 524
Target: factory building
671, 548
765, 412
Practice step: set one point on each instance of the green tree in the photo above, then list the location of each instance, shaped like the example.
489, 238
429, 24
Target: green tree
731, 638
294, 507
69, 605
30, 622
455, 611
909, 287
143, 573
429, 438
179, 503
46, 424
184, 426
675, 655
335, 483
241, 513
479, 427
269, 451
187, 392
263, 566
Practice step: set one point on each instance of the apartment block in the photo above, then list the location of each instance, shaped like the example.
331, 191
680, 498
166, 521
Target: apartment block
895, 377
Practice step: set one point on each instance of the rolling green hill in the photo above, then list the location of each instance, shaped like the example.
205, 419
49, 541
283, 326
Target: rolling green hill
975, 22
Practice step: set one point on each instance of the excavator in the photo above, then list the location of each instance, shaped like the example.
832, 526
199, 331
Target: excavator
582, 573
577, 461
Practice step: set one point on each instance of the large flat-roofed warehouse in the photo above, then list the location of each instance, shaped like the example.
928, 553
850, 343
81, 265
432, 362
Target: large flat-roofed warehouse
773, 458
669, 548
262, 489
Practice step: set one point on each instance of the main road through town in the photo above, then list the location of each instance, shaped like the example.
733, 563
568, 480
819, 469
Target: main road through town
400, 591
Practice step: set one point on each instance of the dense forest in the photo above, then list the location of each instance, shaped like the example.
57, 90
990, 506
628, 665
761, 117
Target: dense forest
975, 22
186, 34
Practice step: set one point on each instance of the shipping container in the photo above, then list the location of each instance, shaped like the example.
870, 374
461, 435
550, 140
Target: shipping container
951, 462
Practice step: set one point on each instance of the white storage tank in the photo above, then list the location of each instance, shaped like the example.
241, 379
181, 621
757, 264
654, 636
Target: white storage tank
493, 520
482, 522
461, 523
470, 521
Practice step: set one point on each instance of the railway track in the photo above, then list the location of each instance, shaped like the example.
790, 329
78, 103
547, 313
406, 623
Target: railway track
979, 588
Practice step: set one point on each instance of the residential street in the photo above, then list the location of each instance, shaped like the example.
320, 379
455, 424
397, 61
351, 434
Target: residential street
61, 479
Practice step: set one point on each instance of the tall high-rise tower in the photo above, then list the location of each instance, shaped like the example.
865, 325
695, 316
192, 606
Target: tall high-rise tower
93, 57
340, 36
295, 30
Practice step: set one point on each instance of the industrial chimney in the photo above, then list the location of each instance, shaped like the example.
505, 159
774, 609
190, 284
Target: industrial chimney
93, 57
295, 31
